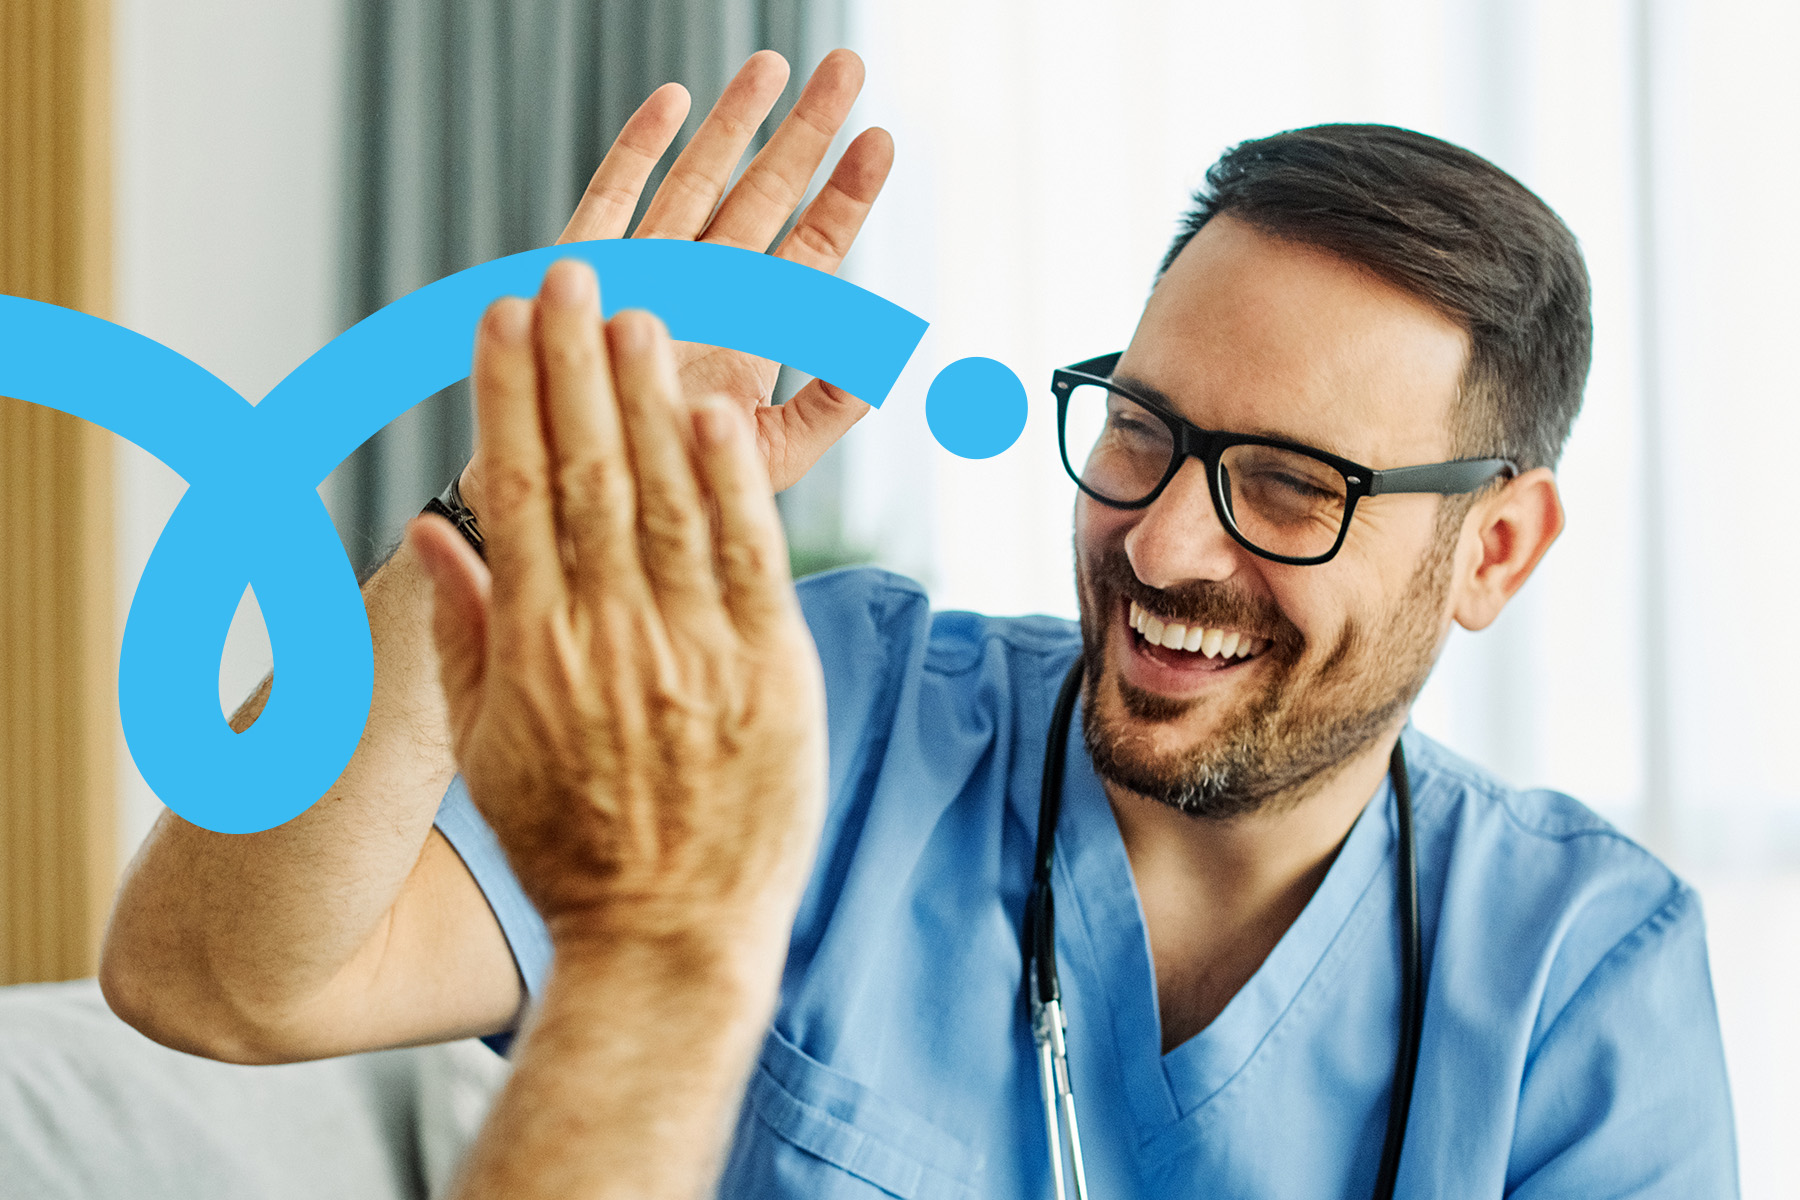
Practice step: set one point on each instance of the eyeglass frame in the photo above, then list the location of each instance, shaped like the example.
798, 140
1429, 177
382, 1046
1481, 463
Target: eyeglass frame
1455, 477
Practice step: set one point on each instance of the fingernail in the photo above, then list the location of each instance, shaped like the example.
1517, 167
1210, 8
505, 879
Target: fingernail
569, 281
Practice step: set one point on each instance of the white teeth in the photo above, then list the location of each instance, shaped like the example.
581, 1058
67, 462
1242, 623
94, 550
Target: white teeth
1214, 643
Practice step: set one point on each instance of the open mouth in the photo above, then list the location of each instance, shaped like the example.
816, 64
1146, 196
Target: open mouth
1190, 647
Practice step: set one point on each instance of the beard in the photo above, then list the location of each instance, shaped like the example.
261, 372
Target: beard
1275, 746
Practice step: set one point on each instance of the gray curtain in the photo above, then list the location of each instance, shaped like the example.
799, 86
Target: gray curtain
472, 127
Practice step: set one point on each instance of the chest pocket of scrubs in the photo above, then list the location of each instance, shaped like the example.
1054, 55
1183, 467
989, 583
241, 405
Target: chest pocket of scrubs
809, 1131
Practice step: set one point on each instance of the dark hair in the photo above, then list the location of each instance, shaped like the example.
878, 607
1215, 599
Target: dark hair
1450, 228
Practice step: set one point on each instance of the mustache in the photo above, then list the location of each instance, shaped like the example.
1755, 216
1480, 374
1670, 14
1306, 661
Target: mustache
1200, 602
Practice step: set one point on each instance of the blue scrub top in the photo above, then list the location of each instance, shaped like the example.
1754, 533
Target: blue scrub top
1571, 1046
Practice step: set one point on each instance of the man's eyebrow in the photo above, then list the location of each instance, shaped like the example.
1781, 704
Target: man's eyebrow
1132, 383
1157, 396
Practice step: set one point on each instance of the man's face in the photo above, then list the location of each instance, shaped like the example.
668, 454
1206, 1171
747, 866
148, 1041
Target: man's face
1251, 334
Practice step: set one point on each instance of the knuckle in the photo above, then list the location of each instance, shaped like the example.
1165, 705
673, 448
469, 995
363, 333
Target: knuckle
771, 186
510, 487
819, 242
599, 483
749, 559
698, 186
613, 191
819, 124
673, 528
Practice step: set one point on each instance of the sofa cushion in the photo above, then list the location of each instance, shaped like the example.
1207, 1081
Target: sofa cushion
90, 1109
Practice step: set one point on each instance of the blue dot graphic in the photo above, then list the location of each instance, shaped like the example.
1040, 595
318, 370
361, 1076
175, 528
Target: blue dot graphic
976, 407
281, 448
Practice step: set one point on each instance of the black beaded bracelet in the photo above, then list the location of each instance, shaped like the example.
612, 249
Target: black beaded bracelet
449, 505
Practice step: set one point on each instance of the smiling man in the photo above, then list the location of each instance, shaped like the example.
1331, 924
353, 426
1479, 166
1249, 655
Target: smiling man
1330, 439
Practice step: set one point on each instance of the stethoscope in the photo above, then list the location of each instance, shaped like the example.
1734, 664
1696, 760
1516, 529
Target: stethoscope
1049, 1026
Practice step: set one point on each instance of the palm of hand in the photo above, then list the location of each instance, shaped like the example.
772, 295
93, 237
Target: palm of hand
748, 382
694, 203
745, 380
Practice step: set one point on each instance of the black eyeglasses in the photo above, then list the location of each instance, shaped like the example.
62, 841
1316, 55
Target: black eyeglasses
1281, 500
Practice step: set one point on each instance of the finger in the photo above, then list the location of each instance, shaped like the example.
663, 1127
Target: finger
776, 180
459, 588
590, 473
752, 554
612, 194
685, 201
674, 540
517, 513
825, 231
794, 435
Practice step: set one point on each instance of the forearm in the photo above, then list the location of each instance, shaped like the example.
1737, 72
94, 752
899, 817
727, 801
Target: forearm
629, 1077
229, 933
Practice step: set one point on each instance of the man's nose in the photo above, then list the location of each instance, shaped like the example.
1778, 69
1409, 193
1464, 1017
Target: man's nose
1179, 537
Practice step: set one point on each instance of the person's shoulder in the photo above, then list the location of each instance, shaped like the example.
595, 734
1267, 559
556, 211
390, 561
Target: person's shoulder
961, 641
1572, 963
1568, 887
1502, 820
848, 590
851, 604
1534, 813
866, 624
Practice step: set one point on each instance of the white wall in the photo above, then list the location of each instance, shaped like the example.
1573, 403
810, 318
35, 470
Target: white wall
227, 136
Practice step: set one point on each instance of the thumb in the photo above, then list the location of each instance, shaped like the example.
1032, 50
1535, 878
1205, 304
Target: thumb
795, 434
460, 586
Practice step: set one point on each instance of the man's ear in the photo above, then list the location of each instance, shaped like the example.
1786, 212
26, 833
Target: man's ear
1512, 529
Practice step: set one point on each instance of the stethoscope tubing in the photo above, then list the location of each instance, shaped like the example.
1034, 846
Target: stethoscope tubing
1043, 993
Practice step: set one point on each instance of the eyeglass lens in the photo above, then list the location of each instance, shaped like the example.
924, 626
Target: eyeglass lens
1281, 501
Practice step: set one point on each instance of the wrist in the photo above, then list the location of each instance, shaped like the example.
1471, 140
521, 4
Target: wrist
469, 483
631, 1068
709, 1005
453, 505
740, 961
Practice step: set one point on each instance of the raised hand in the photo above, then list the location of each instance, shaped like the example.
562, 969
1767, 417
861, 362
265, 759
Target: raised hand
634, 699
688, 206
638, 710
352, 927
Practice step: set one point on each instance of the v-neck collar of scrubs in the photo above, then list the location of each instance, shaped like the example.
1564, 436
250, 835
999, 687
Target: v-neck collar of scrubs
1102, 934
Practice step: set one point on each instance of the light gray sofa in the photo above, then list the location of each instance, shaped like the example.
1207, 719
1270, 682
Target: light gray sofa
92, 1110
